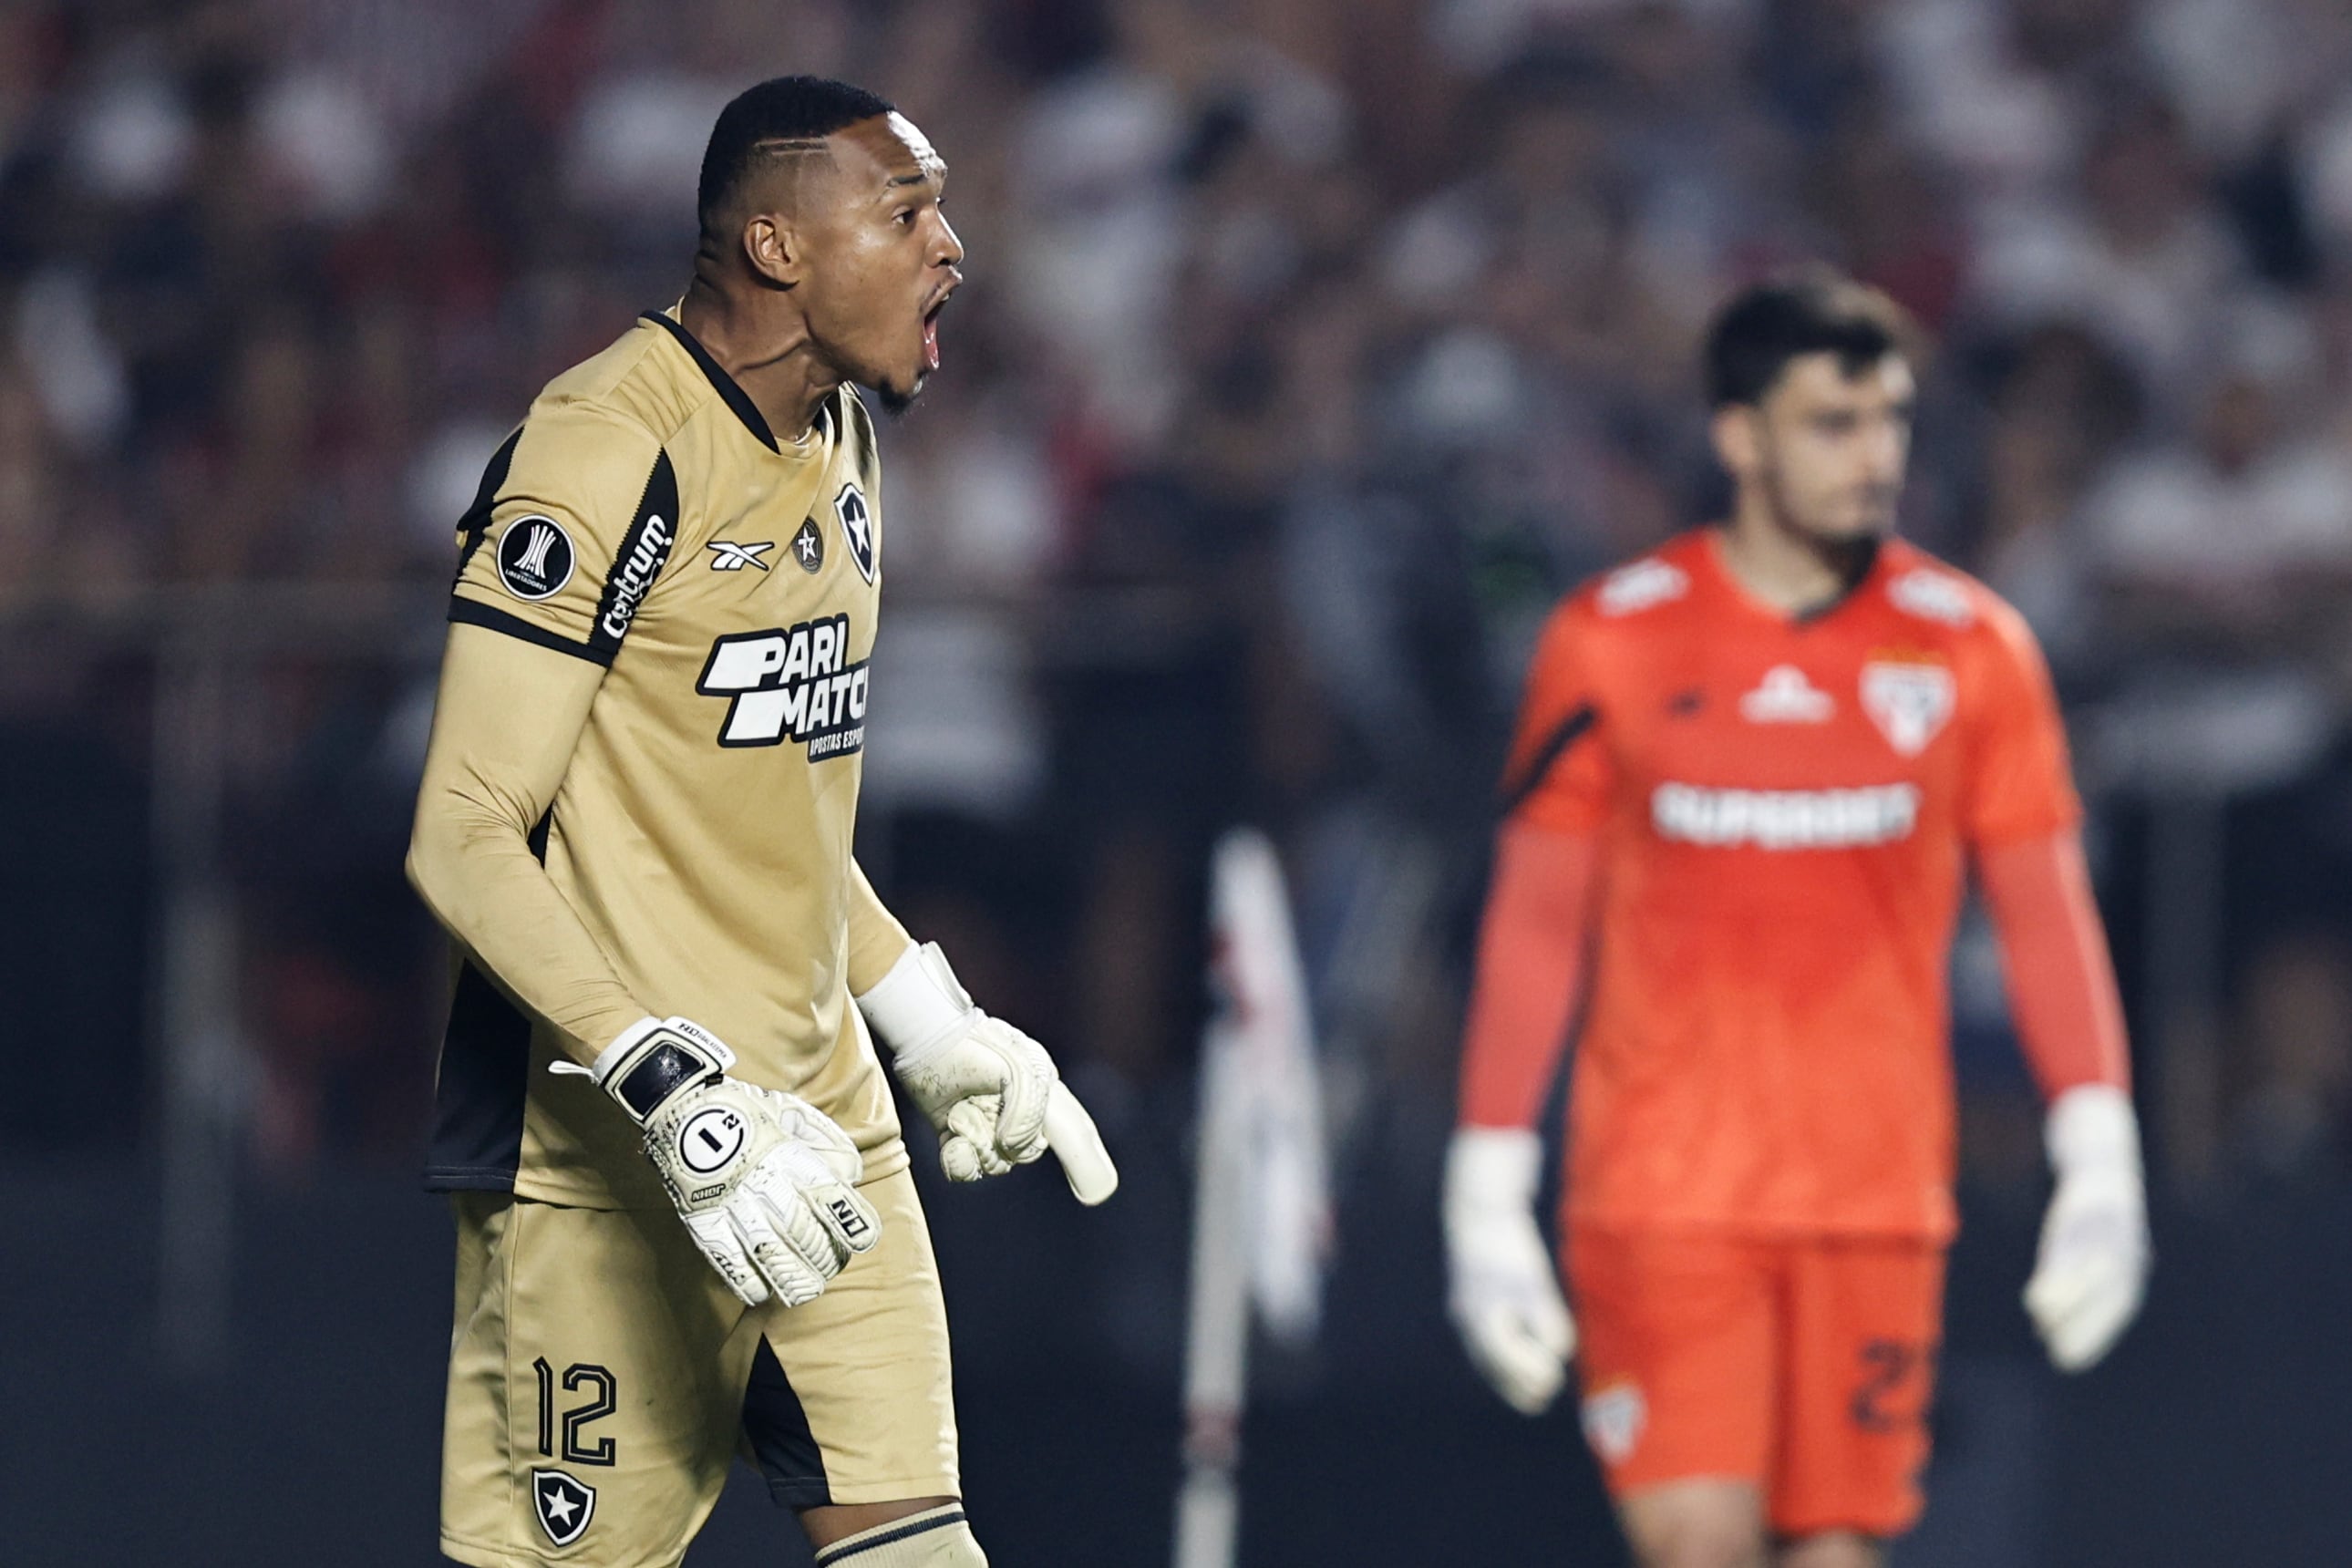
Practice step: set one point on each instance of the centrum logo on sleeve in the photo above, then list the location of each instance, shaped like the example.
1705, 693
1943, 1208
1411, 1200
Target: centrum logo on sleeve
796, 683
635, 574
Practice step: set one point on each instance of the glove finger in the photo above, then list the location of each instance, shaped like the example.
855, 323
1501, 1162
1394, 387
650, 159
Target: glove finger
819, 1136
967, 1163
974, 1118
823, 1219
1548, 1324
754, 1220
2083, 1337
1078, 1145
2057, 1291
724, 1248
960, 1158
796, 1284
1028, 1080
813, 1127
816, 1234
2075, 1344
1527, 1374
850, 1223
791, 1244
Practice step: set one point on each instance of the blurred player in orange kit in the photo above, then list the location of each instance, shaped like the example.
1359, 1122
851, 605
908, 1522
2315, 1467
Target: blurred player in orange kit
1752, 771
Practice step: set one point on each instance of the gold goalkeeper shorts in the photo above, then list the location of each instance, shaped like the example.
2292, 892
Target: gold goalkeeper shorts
601, 1377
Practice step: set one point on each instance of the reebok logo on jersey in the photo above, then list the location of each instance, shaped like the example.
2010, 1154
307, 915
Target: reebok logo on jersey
791, 684
728, 556
647, 554
535, 558
564, 1506
1785, 697
1641, 585
1785, 819
1909, 702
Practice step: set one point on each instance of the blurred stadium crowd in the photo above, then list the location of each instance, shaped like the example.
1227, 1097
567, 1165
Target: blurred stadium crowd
1313, 348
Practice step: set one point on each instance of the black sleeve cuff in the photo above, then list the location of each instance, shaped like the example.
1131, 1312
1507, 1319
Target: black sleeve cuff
474, 613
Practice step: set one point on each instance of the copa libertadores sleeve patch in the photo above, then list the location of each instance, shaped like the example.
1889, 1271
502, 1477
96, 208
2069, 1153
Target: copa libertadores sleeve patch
536, 557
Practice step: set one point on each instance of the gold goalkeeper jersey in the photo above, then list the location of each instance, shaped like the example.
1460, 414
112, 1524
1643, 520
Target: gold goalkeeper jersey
644, 518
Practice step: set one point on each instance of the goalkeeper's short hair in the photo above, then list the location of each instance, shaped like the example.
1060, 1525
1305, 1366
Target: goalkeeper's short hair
1818, 311
776, 113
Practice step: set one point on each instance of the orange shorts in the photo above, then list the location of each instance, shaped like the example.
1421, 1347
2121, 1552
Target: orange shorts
1804, 1365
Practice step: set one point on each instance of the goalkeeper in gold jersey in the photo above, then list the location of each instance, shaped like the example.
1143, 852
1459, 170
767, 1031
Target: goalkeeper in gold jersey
685, 1224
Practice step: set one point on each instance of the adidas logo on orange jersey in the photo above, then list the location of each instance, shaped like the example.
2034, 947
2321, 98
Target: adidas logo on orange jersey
1785, 697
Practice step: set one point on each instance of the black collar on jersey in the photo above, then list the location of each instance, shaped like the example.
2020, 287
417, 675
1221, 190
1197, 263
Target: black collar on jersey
730, 393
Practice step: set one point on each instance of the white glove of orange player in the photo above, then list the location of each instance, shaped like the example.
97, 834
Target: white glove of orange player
992, 1092
765, 1182
2092, 1266
1503, 1294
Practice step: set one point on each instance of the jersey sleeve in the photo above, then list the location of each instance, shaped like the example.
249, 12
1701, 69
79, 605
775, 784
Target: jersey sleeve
573, 522
505, 723
876, 941
2019, 784
2062, 982
1559, 776
1529, 974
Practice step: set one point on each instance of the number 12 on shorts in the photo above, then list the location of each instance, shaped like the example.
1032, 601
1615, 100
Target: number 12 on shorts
606, 1399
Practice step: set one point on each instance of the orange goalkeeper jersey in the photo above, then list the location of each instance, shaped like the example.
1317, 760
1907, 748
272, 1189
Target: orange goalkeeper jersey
1783, 807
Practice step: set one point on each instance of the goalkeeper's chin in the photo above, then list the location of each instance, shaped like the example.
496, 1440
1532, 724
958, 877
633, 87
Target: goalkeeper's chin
897, 396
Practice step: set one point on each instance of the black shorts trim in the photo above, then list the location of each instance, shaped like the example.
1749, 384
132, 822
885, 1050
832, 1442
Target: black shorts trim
473, 612
484, 1081
776, 1429
832, 1555
478, 1094
467, 1179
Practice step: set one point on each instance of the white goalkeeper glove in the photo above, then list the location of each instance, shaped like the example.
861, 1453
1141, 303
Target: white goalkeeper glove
765, 1181
2092, 1269
1504, 1295
990, 1092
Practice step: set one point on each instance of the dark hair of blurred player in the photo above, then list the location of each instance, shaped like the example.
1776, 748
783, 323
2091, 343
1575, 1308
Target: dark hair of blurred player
1812, 389
825, 256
